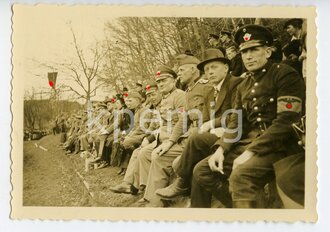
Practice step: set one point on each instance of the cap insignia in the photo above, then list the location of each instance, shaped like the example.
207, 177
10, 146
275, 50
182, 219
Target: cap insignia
247, 37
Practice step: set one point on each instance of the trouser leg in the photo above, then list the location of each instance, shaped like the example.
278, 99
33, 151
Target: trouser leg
197, 148
250, 177
207, 183
144, 160
290, 180
102, 139
84, 143
160, 171
129, 175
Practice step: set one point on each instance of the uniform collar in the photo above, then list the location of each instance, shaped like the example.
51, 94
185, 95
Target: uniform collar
169, 93
193, 84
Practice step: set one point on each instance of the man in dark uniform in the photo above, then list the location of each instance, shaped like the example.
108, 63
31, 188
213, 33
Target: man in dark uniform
236, 63
226, 39
270, 98
216, 68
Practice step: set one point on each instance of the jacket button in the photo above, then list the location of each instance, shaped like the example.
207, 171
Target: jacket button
271, 100
256, 108
254, 99
253, 91
258, 119
256, 84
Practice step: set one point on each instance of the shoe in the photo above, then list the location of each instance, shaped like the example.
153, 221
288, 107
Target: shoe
140, 203
122, 188
142, 188
134, 190
102, 165
177, 188
123, 172
120, 171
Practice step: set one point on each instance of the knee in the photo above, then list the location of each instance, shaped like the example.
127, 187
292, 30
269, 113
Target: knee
143, 155
127, 143
238, 178
194, 137
176, 163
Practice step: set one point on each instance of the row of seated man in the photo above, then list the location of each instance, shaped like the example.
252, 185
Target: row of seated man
222, 137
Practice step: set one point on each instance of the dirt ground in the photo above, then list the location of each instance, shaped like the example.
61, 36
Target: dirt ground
50, 179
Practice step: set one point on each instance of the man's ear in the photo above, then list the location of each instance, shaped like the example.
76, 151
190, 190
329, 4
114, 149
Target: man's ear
227, 68
268, 52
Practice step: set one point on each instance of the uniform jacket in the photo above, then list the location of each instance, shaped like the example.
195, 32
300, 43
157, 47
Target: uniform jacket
271, 99
196, 98
174, 101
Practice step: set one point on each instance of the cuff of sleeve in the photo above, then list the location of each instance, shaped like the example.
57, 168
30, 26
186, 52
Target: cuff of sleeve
225, 146
151, 138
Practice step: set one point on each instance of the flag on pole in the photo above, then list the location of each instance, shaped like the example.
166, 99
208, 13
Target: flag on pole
52, 79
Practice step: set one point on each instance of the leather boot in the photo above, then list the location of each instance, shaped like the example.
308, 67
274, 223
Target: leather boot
245, 204
177, 188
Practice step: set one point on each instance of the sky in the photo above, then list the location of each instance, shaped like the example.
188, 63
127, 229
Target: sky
42, 35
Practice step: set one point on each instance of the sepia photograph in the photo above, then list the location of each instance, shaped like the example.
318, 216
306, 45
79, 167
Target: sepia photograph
126, 113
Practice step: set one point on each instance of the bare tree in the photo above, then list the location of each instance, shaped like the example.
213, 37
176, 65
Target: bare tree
85, 73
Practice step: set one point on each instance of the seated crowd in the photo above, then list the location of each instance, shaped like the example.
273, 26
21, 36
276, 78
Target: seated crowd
226, 134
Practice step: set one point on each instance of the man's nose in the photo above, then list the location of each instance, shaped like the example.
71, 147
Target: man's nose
248, 54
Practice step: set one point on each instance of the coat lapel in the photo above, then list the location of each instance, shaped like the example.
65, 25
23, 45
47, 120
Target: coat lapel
222, 94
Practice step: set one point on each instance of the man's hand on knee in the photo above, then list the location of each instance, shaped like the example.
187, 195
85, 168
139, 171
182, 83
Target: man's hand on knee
216, 161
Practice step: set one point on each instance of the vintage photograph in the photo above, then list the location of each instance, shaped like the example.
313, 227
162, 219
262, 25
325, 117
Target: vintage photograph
129, 111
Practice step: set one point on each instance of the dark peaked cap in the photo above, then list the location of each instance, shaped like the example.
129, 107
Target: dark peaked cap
211, 35
225, 32
294, 22
253, 35
212, 54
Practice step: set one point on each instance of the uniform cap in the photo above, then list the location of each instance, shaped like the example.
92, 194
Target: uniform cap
101, 106
163, 72
135, 95
150, 86
212, 54
107, 100
183, 59
211, 35
225, 32
294, 22
253, 35
139, 82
